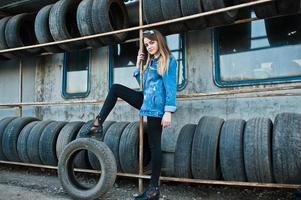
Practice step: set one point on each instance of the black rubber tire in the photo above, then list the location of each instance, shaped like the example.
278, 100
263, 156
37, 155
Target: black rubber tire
112, 139
3, 43
110, 15
182, 160
84, 22
258, 150
10, 137
129, 148
91, 157
171, 9
66, 166
81, 160
19, 31
62, 24
3, 124
42, 31
33, 141
153, 13
169, 140
47, 143
132, 8
193, 7
231, 150
266, 10
286, 147
204, 154
168, 164
22, 142
221, 18
66, 135
288, 6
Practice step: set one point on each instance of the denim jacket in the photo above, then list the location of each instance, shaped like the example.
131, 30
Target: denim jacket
159, 92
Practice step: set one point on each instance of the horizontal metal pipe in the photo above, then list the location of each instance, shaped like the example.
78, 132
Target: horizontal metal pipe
184, 180
140, 27
180, 96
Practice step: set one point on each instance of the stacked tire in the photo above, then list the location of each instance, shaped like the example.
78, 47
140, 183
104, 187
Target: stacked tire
236, 150
66, 19
255, 150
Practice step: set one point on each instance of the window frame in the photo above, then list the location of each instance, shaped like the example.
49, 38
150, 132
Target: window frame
180, 87
223, 84
67, 95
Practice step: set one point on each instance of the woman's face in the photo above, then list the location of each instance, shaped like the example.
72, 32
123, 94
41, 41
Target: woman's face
151, 46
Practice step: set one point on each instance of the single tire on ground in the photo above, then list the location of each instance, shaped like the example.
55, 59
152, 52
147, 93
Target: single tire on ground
3, 124
10, 137
110, 15
112, 139
19, 31
221, 18
33, 141
231, 150
66, 166
182, 160
128, 149
22, 142
204, 154
92, 158
66, 135
62, 24
81, 160
84, 22
42, 31
193, 7
286, 147
47, 143
258, 150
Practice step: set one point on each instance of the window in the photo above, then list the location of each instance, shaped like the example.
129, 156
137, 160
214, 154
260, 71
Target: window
123, 60
262, 51
76, 74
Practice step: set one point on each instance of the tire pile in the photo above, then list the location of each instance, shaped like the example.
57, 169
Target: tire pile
255, 150
67, 19
30, 140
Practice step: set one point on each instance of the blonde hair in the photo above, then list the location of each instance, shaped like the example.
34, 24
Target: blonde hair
163, 62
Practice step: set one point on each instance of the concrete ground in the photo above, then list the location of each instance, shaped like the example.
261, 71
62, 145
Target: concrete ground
18, 182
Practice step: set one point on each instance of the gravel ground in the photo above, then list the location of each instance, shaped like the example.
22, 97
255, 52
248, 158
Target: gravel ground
18, 182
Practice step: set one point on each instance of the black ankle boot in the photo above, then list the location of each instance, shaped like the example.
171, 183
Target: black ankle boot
151, 193
97, 131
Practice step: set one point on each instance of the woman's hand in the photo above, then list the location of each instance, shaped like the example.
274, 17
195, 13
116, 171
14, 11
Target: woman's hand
140, 58
166, 119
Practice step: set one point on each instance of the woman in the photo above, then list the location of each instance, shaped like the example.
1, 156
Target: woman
156, 102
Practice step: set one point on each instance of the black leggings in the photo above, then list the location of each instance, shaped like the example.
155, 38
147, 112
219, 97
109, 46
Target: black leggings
154, 127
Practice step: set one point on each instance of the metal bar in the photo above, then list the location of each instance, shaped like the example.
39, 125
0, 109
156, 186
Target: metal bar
140, 182
20, 87
174, 179
140, 27
180, 96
